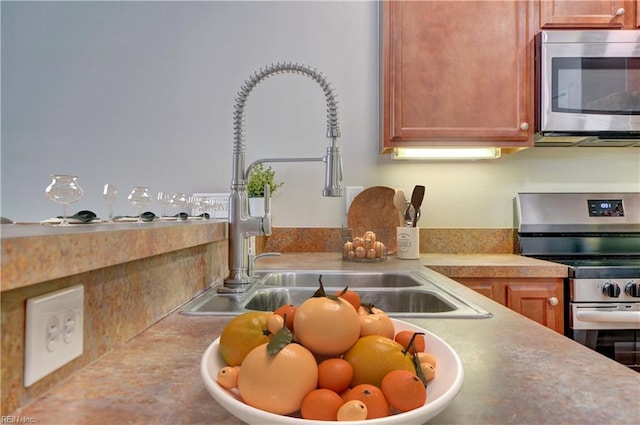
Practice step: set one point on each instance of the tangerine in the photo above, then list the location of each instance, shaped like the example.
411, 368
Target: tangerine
287, 311
404, 390
404, 337
335, 374
227, 377
372, 397
374, 321
353, 410
373, 356
327, 326
351, 296
321, 405
277, 383
242, 334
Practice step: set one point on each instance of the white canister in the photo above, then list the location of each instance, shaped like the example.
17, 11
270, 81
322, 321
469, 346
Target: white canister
408, 243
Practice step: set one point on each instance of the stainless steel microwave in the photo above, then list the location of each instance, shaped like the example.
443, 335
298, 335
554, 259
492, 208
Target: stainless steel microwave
588, 84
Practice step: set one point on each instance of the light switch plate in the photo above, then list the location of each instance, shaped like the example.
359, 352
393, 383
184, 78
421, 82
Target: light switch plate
53, 332
350, 193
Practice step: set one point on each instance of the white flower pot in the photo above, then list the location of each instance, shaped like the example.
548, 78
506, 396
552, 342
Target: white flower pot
256, 207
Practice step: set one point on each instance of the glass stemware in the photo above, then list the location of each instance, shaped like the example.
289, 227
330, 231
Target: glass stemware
165, 200
204, 203
179, 200
110, 194
65, 190
140, 197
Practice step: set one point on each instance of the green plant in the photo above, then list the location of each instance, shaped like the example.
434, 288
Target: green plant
258, 178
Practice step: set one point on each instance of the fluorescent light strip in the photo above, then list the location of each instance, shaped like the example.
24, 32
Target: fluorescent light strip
446, 153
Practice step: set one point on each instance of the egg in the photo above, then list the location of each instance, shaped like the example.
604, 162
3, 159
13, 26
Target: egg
369, 236
348, 246
380, 249
371, 253
360, 252
351, 254
358, 241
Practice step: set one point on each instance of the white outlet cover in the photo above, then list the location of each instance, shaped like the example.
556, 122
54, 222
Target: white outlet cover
53, 332
350, 193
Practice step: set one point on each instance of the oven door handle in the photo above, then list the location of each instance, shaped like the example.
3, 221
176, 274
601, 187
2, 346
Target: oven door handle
609, 316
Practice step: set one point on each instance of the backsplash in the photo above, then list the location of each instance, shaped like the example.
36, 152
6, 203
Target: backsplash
441, 241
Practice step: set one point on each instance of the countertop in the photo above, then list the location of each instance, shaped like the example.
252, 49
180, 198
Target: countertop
516, 371
68, 250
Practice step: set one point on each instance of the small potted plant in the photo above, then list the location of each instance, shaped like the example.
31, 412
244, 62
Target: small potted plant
259, 177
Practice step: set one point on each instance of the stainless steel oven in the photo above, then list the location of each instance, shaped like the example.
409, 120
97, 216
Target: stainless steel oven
597, 235
588, 82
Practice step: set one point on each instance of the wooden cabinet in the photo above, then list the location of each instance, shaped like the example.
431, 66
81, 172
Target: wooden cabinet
612, 14
457, 73
540, 299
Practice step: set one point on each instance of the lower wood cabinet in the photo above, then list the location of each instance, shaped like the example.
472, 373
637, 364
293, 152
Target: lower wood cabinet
540, 299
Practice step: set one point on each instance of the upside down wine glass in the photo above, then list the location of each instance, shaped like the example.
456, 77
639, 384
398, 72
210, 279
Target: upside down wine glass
140, 197
65, 190
110, 194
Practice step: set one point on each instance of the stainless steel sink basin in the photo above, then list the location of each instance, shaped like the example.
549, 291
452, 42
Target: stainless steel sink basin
340, 279
400, 294
409, 301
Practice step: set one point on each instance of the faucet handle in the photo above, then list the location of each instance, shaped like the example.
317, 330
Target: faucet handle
266, 220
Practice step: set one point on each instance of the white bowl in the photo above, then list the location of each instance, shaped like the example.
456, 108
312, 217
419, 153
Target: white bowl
440, 391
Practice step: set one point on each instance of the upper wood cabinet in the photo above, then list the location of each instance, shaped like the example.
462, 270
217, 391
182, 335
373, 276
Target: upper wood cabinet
457, 73
588, 14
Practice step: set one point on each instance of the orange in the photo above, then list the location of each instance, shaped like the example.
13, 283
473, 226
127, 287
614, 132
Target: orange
326, 326
404, 390
403, 338
335, 374
277, 383
321, 405
372, 397
242, 334
373, 356
351, 296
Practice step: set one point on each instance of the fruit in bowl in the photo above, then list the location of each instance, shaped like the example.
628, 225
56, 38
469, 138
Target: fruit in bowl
294, 384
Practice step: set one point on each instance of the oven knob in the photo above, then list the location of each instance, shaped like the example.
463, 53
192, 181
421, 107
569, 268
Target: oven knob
632, 289
611, 290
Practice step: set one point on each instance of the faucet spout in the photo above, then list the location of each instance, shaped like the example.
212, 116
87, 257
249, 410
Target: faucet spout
241, 224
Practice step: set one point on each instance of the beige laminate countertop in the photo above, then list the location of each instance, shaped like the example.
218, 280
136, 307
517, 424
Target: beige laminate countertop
516, 371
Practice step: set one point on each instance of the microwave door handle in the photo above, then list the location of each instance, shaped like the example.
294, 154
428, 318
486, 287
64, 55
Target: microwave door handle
609, 316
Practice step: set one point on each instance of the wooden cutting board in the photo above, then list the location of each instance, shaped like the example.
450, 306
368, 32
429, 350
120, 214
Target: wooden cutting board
373, 209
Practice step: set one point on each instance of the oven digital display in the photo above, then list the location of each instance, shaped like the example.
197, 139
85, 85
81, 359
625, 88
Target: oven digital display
605, 208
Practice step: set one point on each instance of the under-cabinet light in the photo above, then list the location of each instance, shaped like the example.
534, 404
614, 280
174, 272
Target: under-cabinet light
445, 153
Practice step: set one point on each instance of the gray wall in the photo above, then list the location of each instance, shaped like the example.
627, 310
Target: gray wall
142, 94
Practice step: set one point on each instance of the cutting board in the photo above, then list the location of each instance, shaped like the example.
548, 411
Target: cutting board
373, 209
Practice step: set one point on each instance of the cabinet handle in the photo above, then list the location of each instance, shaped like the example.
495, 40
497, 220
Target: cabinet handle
620, 11
553, 301
524, 126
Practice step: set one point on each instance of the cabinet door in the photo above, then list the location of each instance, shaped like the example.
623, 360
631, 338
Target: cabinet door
485, 286
539, 302
587, 13
457, 70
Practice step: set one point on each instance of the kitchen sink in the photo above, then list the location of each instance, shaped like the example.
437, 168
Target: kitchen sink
400, 294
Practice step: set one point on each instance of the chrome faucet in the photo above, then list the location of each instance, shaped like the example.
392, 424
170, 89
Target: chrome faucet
241, 224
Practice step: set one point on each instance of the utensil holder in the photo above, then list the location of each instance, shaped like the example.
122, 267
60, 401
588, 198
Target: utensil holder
408, 243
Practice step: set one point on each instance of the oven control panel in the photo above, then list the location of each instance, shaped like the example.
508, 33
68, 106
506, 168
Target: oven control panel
605, 290
605, 208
